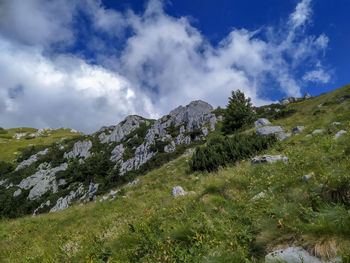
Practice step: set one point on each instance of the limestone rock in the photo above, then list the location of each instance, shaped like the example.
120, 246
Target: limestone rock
338, 134
341, 99
32, 159
19, 135
204, 131
298, 129
178, 191
189, 152
89, 195
181, 139
269, 159
47, 203
17, 192
283, 135
261, 122
80, 149
259, 196
317, 131
123, 129
307, 96
284, 101
65, 202
133, 182
295, 255
170, 148
117, 153
335, 123
269, 130
2, 182
142, 155
307, 177
42, 181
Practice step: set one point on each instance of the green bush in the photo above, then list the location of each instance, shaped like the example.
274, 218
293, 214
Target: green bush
29, 151
221, 150
5, 168
3, 131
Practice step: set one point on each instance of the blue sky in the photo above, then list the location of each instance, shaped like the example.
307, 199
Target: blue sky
89, 63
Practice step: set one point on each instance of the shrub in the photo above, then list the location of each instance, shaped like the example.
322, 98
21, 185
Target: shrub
239, 112
29, 151
3, 131
5, 168
221, 150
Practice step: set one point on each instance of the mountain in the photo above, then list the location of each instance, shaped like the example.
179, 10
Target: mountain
76, 170
157, 200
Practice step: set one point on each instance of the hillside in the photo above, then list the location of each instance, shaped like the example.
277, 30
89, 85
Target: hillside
12, 141
239, 213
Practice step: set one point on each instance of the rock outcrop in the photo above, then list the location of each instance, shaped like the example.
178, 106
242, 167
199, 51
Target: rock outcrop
32, 159
307, 96
42, 181
47, 203
80, 149
197, 116
261, 122
117, 153
19, 135
65, 202
121, 130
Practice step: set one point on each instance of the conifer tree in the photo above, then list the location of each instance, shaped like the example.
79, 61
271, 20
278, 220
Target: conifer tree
239, 112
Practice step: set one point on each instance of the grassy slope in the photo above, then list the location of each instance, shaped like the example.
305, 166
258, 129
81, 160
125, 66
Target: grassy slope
217, 223
10, 146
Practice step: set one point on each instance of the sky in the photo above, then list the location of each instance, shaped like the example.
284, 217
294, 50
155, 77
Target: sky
89, 63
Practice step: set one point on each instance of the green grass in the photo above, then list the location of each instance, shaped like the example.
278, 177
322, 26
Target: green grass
10, 147
218, 221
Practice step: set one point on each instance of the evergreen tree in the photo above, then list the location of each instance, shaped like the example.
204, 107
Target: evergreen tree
239, 112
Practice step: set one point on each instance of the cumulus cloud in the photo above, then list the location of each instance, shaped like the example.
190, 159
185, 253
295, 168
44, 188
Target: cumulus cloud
66, 91
37, 22
162, 62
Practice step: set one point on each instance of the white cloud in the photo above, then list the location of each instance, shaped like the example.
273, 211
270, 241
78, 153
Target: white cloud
318, 75
65, 91
165, 62
301, 14
37, 22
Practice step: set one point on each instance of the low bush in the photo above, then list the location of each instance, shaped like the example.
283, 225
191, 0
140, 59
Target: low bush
3, 131
221, 150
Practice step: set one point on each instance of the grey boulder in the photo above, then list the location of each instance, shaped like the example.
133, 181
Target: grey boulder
338, 134
269, 159
261, 122
267, 130
317, 131
178, 191
295, 255
298, 129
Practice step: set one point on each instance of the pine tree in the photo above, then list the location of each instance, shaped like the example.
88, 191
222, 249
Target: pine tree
239, 112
